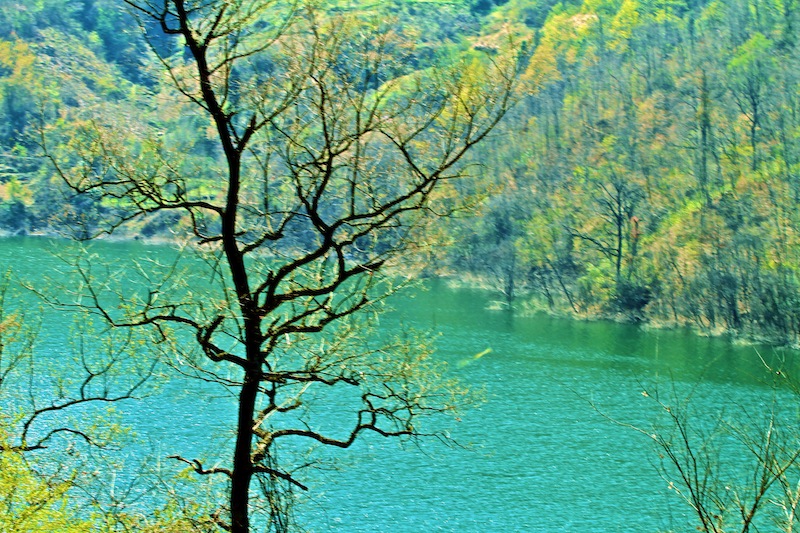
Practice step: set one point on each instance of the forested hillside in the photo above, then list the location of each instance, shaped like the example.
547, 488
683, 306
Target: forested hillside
649, 170
57, 59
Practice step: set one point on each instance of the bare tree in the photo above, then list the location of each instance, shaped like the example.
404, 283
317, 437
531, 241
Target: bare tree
53, 416
43, 401
737, 471
333, 156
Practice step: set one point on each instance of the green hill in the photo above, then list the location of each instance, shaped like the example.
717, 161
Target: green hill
650, 171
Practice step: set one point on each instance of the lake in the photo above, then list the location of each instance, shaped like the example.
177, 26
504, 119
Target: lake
541, 454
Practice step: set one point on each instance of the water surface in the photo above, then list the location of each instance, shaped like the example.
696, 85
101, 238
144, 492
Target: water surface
539, 455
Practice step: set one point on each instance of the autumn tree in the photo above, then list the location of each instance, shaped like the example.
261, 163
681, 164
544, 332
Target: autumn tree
327, 158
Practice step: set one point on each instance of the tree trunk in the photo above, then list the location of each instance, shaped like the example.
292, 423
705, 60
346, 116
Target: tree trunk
242, 464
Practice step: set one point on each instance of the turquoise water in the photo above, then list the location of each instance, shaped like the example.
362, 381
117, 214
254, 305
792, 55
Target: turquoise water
539, 455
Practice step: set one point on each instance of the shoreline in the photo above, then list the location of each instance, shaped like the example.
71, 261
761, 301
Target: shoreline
527, 303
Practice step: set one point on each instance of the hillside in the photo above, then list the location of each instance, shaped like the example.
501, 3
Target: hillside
649, 172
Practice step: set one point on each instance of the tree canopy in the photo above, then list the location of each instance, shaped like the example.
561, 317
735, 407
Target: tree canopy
651, 174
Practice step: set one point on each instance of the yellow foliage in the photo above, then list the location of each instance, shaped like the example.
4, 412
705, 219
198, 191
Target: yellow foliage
561, 37
31, 503
17, 57
542, 68
622, 26
14, 190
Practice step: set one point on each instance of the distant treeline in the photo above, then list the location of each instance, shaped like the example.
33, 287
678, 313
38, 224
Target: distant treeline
650, 171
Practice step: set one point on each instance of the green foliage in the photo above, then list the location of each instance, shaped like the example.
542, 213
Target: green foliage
16, 76
661, 143
649, 172
33, 503
650, 134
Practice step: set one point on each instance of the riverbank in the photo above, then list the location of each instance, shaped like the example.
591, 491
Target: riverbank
525, 302
531, 303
